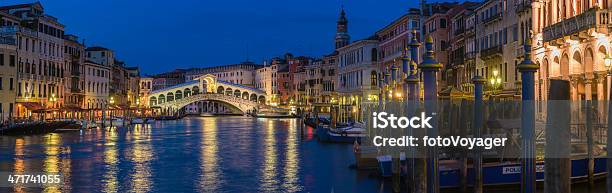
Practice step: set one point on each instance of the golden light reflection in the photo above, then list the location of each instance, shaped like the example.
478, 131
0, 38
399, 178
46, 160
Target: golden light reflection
111, 160
142, 153
210, 177
52, 161
19, 166
269, 170
292, 159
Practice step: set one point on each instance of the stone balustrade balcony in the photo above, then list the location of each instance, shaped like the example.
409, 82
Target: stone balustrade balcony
594, 18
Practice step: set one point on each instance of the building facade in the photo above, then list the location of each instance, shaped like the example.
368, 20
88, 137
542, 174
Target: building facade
145, 88
41, 68
570, 41
8, 77
357, 76
243, 73
97, 85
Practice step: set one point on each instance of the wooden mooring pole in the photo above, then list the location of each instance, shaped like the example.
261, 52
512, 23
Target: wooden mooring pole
478, 81
557, 169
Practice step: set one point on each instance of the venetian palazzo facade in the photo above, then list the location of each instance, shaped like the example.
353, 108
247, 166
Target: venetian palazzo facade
571, 39
357, 77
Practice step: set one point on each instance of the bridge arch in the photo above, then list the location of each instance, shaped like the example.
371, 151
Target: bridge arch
261, 100
161, 99
187, 92
237, 93
178, 95
253, 98
229, 91
170, 97
195, 90
153, 101
245, 95
220, 90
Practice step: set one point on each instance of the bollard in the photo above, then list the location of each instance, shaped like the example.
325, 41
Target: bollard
557, 171
528, 69
429, 67
478, 81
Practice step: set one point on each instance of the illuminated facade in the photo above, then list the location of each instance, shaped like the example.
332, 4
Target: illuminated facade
41, 68
357, 76
571, 39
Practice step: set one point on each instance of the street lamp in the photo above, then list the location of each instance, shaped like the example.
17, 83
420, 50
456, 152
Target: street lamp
112, 101
495, 80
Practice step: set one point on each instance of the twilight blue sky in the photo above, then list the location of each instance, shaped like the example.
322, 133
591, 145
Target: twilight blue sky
161, 35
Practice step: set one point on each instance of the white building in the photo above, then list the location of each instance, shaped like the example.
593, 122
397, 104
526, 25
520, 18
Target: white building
265, 79
357, 76
97, 80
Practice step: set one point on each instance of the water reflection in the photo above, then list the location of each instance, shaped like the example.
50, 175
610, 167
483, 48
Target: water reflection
19, 165
211, 176
219, 154
292, 160
52, 161
141, 154
268, 180
111, 160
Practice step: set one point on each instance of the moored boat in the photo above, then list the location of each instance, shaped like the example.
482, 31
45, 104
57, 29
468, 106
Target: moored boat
340, 135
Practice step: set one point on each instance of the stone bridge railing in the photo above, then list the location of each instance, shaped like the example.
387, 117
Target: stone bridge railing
242, 104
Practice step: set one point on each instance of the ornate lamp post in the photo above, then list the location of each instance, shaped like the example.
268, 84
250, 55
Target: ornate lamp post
112, 101
52, 100
495, 81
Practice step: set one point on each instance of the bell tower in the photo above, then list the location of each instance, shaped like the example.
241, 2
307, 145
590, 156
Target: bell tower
342, 37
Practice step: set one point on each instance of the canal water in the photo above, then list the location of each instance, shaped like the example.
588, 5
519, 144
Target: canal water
214, 154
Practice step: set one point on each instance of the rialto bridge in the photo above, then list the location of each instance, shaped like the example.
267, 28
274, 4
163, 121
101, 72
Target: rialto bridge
207, 94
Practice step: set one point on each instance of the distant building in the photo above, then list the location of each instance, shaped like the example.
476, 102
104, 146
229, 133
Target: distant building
243, 73
265, 79
41, 68
145, 88
97, 83
8, 77
164, 80
74, 56
357, 76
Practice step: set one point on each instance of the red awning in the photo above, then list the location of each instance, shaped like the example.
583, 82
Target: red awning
31, 105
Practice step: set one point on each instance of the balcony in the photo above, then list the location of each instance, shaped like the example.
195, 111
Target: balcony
470, 55
592, 18
459, 31
8, 41
12, 30
470, 31
523, 6
75, 91
492, 18
491, 52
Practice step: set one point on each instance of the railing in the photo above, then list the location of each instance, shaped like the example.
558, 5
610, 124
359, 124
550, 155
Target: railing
492, 18
470, 55
243, 104
469, 31
592, 18
458, 31
15, 28
523, 6
8, 41
491, 52
75, 90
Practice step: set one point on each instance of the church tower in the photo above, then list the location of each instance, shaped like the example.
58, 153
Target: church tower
342, 37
